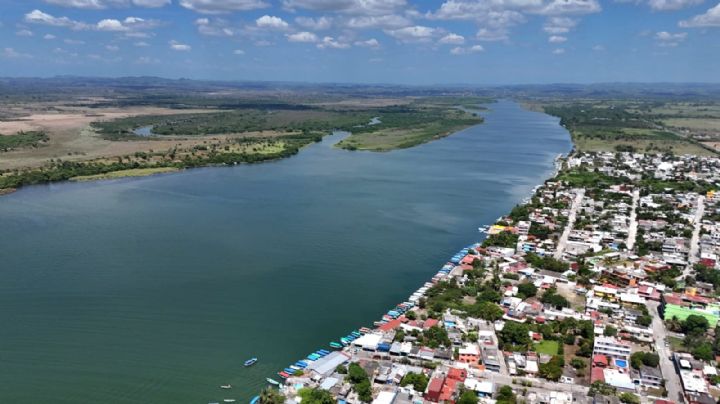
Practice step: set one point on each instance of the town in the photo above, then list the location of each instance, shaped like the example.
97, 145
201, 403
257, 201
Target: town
600, 288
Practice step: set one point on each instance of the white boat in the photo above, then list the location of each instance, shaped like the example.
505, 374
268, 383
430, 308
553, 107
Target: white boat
229, 400
226, 386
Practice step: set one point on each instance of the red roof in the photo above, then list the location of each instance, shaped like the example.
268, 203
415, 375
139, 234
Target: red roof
390, 325
597, 374
600, 360
431, 322
448, 389
468, 259
457, 374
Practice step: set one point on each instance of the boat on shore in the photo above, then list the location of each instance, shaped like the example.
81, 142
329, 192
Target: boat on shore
335, 345
250, 362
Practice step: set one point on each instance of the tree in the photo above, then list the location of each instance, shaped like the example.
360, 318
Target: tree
515, 334
644, 320
629, 398
506, 395
419, 381
703, 351
526, 289
486, 310
360, 381
577, 363
695, 324
550, 297
601, 388
639, 359
316, 396
468, 397
553, 369
411, 315
271, 396
610, 331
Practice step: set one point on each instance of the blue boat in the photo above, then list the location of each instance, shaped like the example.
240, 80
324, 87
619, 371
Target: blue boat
255, 400
250, 362
325, 351
335, 345
313, 357
301, 364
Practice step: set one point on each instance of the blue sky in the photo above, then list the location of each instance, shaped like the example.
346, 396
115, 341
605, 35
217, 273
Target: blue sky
366, 41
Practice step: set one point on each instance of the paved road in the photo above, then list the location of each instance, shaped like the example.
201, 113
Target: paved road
672, 379
695, 240
571, 221
632, 230
543, 385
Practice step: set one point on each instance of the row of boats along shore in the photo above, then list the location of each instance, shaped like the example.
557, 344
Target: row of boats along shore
299, 366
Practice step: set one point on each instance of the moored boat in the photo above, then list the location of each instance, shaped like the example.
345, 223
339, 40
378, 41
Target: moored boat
226, 386
273, 381
335, 345
255, 400
284, 375
250, 362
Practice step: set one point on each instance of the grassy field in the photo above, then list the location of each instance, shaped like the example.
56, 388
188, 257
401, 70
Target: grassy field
22, 140
547, 347
694, 123
134, 172
403, 129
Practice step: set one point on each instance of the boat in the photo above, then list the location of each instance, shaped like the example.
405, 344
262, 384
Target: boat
250, 362
226, 386
301, 364
273, 381
255, 400
289, 371
229, 400
284, 375
335, 345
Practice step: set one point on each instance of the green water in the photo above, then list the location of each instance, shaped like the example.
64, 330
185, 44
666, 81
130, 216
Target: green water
155, 290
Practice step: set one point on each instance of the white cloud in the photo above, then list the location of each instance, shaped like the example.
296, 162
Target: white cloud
223, 6
668, 5
558, 51
304, 36
49, 36
108, 24
458, 50
271, 22
316, 24
489, 35
141, 44
557, 39
111, 25
417, 33
102, 4
24, 32
353, 7
112, 48
238, 52
175, 45
388, 21
598, 48
38, 17
559, 25
452, 39
564, 7
11, 53
370, 43
73, 41
669, 39
214, 27
329, 42
710, 18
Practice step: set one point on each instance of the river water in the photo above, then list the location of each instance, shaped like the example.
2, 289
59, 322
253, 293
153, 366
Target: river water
155, 290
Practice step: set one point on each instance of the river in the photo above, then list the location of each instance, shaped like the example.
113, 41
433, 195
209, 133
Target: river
156, 289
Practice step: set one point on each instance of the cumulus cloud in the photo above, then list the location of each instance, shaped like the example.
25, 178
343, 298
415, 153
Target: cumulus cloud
214, 27
452, 39
316, 24
223, 6
355, 7
49, 36
11, 53
669, 5
710, 18
416, 33
329, 42
103, 4
669, 39
559, 25
370, 43
271, 22
177, 46
491, 35
109, 24
388, 21
239, 52
558, 51
303, 36
38, 17
557, 39
458, 50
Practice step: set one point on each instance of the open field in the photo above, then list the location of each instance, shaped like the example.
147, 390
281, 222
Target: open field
133, 172
547, 347
694, 123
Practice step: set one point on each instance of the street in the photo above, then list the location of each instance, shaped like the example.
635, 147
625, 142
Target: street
672, 379
695, 240
632, 229
571, 221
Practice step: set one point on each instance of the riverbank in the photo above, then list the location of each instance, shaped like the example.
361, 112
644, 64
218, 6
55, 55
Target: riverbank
133, 172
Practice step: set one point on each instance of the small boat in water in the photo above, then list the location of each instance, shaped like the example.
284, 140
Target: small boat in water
250, 362
229, 400
226, 386
335, 345
284, 375
255, 400
273, 381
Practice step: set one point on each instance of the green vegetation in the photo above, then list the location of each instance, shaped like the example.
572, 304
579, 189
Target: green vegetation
506, 395
546, 262
133, 172
514, 336
629, 398
271, 396
550, 297
403, 127
639, 359
548, 347
553, 369
419, 381
360, 381
22, 140
315, 396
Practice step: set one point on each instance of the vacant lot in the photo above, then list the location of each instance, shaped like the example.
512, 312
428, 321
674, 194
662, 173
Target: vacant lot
547, 347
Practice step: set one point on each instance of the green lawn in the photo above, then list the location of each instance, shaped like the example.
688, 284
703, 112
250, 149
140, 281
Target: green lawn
547, 347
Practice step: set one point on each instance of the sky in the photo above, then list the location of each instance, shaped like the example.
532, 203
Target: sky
421, 42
